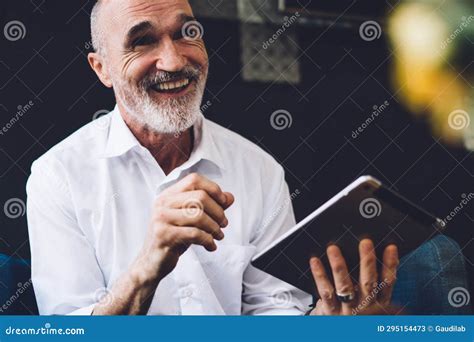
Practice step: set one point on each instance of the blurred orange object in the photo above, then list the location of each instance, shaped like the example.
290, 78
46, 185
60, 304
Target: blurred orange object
424, 76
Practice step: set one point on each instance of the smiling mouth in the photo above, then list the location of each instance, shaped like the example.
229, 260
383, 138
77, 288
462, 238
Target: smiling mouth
172, 87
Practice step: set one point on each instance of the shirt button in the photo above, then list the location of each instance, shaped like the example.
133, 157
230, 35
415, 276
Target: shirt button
187, 293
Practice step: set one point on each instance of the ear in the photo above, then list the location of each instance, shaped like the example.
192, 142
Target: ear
96, 63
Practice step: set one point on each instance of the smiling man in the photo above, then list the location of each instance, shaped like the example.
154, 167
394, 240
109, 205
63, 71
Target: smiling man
157, 210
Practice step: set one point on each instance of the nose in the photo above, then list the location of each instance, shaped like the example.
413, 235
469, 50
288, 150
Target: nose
169, 57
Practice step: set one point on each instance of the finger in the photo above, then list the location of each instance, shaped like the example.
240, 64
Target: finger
389, 274
191, 218
329, 302
342, 279
368, 268
195, 181
195, 236
229, 199
318, 309
199, 199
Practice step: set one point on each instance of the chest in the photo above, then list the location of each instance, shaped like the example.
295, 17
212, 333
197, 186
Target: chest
116, 209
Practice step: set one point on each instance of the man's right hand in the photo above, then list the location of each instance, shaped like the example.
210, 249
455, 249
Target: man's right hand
189, 212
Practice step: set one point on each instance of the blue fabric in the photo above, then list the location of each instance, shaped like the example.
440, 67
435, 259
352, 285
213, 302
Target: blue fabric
432, 280
16, 290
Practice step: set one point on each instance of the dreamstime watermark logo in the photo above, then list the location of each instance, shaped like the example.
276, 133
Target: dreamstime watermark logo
370, 208
371, 297
88, 45
459, 120
377, 110
99, 118
281, 297
14, 208
458, 297
14, 30
21, 110
22, 287
193, 208
205, 106
287, 22
466, 198
46, 330
465, 22
103, 296
370, 30
281, 120
268, 220
192, 30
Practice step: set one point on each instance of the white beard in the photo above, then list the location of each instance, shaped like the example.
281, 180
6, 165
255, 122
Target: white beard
171, 116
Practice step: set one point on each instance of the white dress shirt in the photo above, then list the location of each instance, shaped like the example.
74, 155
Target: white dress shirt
89, 206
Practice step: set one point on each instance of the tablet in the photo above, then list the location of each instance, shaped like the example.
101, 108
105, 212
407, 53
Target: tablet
364, 209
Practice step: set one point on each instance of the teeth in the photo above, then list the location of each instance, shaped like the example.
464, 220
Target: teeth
172, 85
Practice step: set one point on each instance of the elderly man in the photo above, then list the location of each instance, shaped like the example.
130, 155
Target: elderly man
156, 210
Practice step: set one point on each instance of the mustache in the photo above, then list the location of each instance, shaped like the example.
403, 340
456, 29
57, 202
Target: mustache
190, 72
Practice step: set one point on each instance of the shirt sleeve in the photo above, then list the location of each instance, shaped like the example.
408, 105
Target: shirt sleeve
65, 273
264, 294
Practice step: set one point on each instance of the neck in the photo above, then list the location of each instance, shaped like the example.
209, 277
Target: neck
169, 150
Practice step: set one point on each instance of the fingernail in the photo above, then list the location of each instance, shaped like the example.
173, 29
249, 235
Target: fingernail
225, 222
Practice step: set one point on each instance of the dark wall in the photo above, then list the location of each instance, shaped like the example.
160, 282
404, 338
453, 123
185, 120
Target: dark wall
343, 78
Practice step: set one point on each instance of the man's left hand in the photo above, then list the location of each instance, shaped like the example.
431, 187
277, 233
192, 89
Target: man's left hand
372, 295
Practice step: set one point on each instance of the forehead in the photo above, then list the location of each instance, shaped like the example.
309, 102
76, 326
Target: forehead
120, 15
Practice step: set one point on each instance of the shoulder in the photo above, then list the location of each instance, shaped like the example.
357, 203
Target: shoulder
83, 147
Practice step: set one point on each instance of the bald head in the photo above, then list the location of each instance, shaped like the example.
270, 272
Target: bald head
97, 37
101, 18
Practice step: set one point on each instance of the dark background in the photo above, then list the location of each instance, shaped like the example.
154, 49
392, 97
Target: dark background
343, 77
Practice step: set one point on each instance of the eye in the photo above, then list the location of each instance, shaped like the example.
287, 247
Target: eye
143, 41
178, 35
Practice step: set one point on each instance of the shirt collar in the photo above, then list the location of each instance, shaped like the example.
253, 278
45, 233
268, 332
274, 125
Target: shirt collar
205, 147
121, 140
